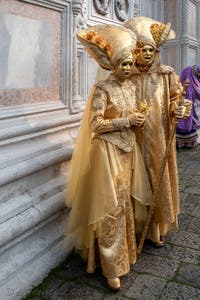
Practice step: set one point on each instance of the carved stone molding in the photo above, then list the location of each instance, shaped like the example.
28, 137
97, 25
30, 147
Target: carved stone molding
101, 6
121, 9
52, 4
76, 7
63, 6
185, 17
136, 8
79, 12
79, 22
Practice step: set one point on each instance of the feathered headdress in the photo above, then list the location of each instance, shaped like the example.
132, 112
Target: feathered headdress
107, 44
149, 31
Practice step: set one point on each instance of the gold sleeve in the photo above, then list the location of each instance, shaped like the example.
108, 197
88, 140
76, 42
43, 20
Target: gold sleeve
100, 124
175, 90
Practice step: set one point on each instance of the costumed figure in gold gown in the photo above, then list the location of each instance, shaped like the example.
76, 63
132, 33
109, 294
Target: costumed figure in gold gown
160, 88
108, 186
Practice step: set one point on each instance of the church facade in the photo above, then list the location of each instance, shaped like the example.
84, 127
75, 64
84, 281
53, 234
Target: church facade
45, 79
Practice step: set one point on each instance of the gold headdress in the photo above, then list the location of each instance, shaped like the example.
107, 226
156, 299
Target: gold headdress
107, 44
149, 31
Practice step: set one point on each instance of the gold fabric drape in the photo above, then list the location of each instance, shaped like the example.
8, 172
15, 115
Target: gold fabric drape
107, 172
160, 87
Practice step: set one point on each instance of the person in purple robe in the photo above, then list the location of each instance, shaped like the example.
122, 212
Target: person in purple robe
186, 133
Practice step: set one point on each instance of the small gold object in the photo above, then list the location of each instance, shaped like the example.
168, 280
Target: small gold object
143, 107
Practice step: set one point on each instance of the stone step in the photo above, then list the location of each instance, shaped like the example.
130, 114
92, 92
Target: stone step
17, 205
24, 221
29, 261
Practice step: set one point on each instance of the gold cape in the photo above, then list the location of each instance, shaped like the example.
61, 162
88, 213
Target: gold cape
95, 167
160, 88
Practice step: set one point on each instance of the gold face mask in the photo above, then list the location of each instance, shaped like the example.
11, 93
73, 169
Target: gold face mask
123, 69
146, 55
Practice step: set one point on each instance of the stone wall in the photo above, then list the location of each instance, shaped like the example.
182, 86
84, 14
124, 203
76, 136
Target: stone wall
45, 79
184, 50
37, 133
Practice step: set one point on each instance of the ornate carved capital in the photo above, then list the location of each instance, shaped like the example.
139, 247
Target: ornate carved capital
121, 9
101, 6
76, 6
79, 10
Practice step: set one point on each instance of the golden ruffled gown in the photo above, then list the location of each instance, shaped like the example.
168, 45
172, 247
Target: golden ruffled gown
160, 88
109, 189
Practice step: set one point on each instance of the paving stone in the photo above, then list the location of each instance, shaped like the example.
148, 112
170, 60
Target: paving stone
146, 287
194, 189
183, 196
162, 251
127, 280
185, 182
96, 280
75, 291
191, 169
114, 296
158, 266
194, 198
184, 239
54, 283
196, 178
71, 269
79, 274
184, 254
188, 167
180, 169
184, 221
175, 291
182, 159
181, 188
157, 269
32, 298
49, 285
196, 211
195, 225
189, 274
188, 205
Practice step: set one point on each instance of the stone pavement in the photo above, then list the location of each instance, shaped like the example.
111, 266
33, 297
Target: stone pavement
171, 272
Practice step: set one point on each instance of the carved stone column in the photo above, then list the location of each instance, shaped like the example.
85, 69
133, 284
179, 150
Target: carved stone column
185, 15
79, 22
136, 8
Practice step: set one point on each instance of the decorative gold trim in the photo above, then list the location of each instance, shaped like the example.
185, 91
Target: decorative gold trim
156, 31
98, 41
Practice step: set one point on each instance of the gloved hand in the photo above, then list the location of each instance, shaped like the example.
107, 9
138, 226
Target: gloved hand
136, 119
179, 112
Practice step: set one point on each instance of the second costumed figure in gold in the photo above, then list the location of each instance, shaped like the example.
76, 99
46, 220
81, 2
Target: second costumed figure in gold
108, 187
159, 86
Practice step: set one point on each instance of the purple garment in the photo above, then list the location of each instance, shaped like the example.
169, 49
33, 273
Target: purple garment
193, 93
